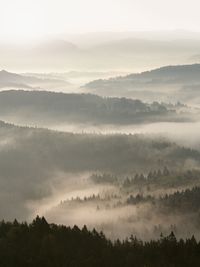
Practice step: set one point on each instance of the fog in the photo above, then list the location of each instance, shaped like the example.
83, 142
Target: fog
106, 211
102, 129
178, 132
76, 178
101, 52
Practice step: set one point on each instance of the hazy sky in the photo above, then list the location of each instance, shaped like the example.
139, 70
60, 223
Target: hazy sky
31, 19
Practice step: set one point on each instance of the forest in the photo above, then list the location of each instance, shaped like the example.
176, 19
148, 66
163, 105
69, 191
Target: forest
99, 133
42, 244
51, 108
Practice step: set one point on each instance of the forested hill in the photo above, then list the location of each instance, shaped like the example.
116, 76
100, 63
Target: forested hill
37, 106
171, 73
180, 74
37, 157
51, 245
84, 152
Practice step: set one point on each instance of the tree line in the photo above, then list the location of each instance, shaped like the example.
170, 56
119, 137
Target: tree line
49, 245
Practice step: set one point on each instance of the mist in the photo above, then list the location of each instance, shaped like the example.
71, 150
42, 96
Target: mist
93, 133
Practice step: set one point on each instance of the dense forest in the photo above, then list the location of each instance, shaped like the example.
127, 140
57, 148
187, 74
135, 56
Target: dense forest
44, 159
42, 244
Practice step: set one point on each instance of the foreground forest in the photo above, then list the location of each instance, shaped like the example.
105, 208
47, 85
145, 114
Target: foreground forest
42, 244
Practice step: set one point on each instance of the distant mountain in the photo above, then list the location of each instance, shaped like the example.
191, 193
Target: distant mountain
106, 51
96, 38
170, 74
13, 80
56, 48
177, 74
6, 76
134, 45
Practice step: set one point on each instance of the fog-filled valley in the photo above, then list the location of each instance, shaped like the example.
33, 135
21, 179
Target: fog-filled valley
112, 144
83, 178
126, 164
99, 133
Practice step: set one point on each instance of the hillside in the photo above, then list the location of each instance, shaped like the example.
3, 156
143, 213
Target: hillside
166, 75
41, 159
170, 83
19, 81
33, 107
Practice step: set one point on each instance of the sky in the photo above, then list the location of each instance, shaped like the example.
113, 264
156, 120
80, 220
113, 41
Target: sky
22, 20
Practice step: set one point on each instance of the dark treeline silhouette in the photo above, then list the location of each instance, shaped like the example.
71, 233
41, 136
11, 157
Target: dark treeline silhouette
42, 244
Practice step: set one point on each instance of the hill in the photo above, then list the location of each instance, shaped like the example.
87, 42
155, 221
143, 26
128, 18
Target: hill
13, 80
37, 163
34, 107
162, 83
169, 74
